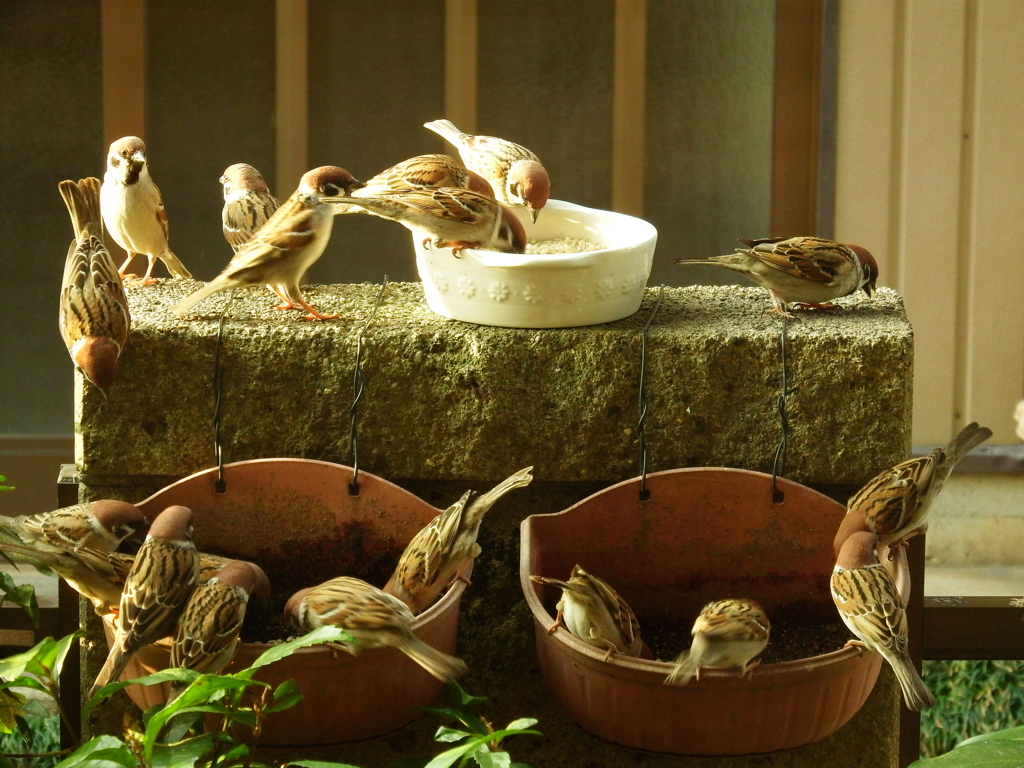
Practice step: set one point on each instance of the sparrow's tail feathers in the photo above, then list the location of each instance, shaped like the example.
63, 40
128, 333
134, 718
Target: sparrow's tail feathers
442, 666
479, 506
683, 672
967, 440
445, 129
116, 661
915, 693
174, 265
83, 201
214, 286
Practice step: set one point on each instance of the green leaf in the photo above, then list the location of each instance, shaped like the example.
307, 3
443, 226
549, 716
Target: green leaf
183, 754
444, 734
521, 723
286, 696
487, 759
63, 648
519, 765
5, 487
994, 753
317, 764
12, 704
6, 762
497, 736
465, 700
37, 660
278, 652
100, 752
1007, 734
451, 756
473, 722
25, 596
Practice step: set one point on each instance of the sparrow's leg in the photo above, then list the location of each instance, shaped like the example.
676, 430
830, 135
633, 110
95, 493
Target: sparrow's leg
855, 644
905, 541
828, 305
748, 671
559, 622
612, 650
314, 315
779, 308
124, 266
146, 279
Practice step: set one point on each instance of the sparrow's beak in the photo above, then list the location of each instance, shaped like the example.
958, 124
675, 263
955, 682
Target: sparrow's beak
138, 158
534, 213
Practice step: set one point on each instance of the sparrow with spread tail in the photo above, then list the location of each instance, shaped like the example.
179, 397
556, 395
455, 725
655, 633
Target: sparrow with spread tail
97, 576
894, 505
163, 575
94, 317
515, 173
101, 525
870, 606
279, 254
592, 611
133, 209
728, 634
247, 204
448, 217
373, 618
439, 551
206, 638
807, 271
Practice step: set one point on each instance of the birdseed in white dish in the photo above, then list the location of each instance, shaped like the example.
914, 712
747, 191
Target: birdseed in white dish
562, 245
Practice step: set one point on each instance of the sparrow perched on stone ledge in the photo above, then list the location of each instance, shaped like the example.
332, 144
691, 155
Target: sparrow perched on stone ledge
279, 254
247, 204
515, 173
439, 551
870, 606
592, 611
373, 618
808, 271
94, 316
448, 217
133, 209
728, 634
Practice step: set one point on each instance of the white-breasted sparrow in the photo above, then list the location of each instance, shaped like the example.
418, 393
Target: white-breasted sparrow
247, 204
727, 634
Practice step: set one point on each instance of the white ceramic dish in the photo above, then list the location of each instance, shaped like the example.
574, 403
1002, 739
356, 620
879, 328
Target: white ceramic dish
545, 291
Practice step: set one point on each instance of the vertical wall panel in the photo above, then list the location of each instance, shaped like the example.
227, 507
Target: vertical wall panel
124, 68
291, 93
376, 75
995, 322
460, 63
629, 110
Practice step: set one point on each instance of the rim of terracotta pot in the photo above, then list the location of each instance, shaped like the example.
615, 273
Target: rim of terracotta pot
648, 672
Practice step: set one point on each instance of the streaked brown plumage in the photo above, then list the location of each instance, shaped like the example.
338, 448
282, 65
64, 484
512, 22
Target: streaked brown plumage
247, 204
95, 575
515, 173
425, 171
162, 578
440, 550
94, 317
870, 606
595, 613
728, 634
373, 617
101, 524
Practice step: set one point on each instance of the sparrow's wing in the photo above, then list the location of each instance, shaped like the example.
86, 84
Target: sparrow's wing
808, 258
293, 226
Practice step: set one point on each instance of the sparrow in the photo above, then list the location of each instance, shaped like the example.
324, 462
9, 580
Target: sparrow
426, 171
206, 638
97, 576
100, 525
373, 618
247, 204
894, 505
287, 245
94, 317
514, 172
133, 209
449, 217
870, 606
728, 634
439, 551
593, 611
808, 271
160, 582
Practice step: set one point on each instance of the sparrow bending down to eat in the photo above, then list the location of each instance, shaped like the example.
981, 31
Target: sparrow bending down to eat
247, 204
727, 634
449, 217
206, 638
161, 580
808, 271
100, 525
592, 611
870, 606
439, 551
515, 173
94, 316
894, 505
133, 209
374, 618
279, 254
423, 171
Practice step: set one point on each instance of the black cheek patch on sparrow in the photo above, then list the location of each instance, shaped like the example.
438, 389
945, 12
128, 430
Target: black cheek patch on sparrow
134, 170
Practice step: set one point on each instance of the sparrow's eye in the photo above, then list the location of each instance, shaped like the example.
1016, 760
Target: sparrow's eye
331, 190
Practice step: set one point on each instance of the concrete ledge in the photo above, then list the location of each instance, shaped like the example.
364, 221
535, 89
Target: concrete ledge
450, 400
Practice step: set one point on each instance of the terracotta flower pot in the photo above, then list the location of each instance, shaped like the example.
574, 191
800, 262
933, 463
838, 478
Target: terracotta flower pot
297, 519
704, 534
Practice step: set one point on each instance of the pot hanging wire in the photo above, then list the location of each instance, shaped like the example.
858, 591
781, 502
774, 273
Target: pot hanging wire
218, 391
641, 421
779, 463
358, 385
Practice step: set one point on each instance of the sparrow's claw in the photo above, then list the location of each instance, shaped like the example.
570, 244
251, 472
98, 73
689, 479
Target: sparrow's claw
828, 305
856, 644
559, 622
748, 671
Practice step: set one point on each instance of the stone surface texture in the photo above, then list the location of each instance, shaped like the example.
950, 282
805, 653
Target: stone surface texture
449, 406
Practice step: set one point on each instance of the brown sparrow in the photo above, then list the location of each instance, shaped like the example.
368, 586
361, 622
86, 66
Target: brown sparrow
373, 618
286, 246
809, 271
439, 551
425, 171
448, 217
94, 316
133, 209
514, 172
159, 584
593, 611
101, 525
97, 576
727, 634
870, 606
247, 204
894, 504
206, 638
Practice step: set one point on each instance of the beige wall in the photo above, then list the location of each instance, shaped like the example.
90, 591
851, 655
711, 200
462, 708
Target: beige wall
930, 178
